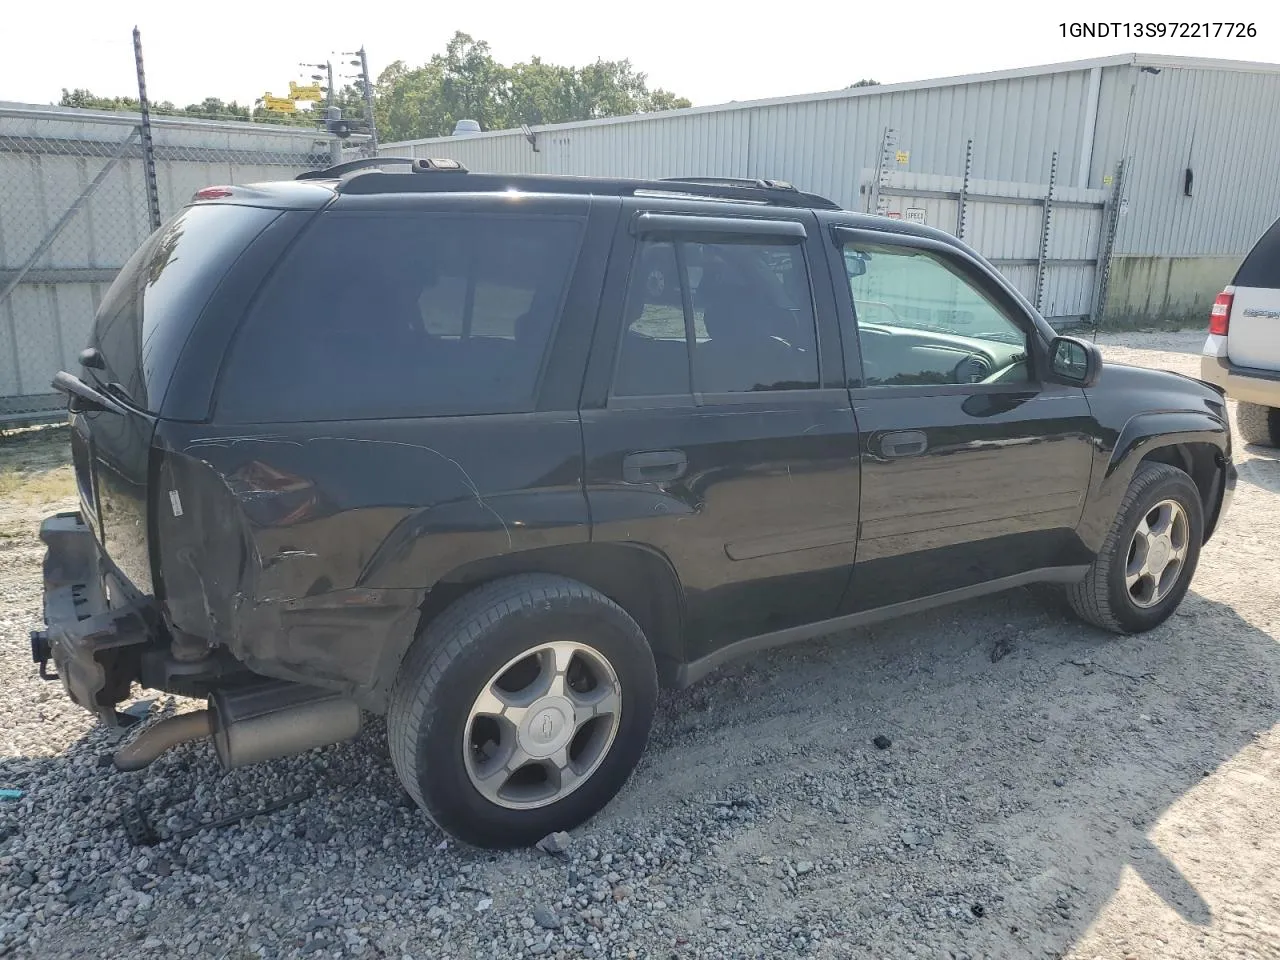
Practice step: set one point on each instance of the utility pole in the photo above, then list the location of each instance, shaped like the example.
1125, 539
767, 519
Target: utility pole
148, 148
335, 146
366, 89
368, 103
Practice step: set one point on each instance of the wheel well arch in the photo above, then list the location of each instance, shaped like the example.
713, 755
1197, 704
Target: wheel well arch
635, 576
1200, 461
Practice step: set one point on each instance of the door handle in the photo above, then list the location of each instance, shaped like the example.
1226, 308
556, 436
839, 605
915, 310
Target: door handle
654, 466
903, 443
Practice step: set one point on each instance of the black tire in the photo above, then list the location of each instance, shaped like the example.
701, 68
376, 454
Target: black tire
1258, 424
1102, 598
459, 652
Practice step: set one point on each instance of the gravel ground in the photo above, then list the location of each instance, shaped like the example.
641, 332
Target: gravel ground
1048, 791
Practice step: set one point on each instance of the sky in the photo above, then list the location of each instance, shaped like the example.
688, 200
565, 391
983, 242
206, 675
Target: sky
708, 52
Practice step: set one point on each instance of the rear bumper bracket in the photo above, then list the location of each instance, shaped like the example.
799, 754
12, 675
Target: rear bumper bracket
85, 636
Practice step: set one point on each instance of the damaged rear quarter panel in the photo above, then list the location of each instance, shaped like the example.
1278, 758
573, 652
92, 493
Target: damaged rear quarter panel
307, 549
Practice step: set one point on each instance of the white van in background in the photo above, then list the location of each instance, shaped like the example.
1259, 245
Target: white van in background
1242, 353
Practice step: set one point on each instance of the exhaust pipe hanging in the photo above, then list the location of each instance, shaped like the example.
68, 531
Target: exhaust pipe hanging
162, 736
252, 724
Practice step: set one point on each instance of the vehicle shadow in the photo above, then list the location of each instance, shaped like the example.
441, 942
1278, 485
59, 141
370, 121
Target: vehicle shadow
1035, 756
1262, 469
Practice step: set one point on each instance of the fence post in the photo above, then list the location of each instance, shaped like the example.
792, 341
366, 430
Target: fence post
1041, 267
148, 148
964, 189
883, 166
1110, 224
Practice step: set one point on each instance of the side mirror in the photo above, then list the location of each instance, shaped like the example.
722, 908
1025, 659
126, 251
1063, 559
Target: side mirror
1074, 362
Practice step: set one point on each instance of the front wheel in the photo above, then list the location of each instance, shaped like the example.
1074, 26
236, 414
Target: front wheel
1147, 561
522, 710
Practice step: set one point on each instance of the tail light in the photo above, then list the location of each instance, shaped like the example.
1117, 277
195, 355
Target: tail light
1220, 315
211, 193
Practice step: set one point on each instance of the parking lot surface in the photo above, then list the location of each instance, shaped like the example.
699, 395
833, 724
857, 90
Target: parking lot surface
1048, 791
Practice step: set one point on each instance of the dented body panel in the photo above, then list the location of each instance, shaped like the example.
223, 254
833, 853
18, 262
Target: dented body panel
308, 552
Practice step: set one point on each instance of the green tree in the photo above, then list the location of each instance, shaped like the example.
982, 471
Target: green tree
349, 100
210, 108
863, 83
536, 92
87, 100
463, 82
466, 82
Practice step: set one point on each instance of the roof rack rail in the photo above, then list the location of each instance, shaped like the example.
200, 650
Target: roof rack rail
758, 182
340, 169
418, 164
459, 181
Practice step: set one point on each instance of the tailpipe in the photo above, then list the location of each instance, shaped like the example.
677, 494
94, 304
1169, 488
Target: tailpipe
162, 736
252, 724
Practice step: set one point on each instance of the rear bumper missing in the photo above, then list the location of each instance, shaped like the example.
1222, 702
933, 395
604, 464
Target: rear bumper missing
95, 640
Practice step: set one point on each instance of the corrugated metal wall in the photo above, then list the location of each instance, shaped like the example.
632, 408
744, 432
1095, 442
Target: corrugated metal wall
1225, 126
821, 143
1221, 121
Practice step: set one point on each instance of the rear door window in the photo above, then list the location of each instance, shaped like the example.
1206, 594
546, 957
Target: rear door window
749, 325
402, 315
1261, 268
148, 312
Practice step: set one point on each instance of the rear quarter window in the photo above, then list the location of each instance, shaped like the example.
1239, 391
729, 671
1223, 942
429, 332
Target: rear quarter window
1261, 268
148, 312
376, 315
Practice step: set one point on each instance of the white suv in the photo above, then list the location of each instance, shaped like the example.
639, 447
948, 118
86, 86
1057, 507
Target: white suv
1242, 353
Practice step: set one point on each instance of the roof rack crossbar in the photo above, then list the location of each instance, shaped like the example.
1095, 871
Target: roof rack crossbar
445, 181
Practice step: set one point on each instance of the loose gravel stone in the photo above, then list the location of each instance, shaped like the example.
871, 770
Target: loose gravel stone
546, 918
555, 843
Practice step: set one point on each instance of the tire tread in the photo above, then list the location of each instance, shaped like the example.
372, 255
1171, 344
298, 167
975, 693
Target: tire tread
457, 629
1258, 424
1090, 597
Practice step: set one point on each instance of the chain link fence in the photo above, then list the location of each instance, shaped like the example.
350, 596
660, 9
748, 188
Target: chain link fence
73, 208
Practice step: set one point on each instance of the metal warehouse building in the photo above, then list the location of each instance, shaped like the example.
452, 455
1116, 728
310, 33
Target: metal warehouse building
1132, 183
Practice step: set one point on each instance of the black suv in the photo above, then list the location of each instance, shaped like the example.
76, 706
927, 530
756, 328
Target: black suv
498, 456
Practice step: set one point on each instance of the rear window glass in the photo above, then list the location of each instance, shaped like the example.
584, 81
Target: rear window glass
749, 328
394, 315
147, 313
1261, 268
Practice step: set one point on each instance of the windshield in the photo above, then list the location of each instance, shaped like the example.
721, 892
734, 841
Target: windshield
148, 312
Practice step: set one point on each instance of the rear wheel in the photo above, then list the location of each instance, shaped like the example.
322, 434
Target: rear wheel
522, 710
1258, 424
1147, 561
